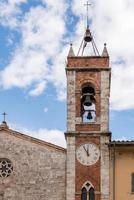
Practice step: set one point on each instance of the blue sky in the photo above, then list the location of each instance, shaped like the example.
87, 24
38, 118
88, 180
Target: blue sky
34, 40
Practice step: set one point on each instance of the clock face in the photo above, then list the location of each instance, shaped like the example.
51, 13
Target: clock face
88, 154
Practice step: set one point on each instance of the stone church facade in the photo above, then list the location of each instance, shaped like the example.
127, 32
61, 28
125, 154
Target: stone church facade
93, 167
38, 168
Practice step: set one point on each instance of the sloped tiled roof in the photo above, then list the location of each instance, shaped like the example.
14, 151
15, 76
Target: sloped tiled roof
122, 143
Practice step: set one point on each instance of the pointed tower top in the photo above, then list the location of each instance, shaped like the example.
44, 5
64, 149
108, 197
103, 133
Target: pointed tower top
105, 52
71, 51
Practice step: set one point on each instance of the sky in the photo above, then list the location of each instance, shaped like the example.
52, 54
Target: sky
34, 43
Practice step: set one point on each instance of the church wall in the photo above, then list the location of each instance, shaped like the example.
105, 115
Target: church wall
38, 170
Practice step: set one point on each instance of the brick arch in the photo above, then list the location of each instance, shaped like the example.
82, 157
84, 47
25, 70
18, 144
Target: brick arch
88, 84
90, 81
95, 183
87, 187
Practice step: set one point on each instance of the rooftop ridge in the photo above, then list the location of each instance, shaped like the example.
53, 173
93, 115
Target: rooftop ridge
32, 139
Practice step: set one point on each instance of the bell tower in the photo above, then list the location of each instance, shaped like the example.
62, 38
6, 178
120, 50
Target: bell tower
88, 90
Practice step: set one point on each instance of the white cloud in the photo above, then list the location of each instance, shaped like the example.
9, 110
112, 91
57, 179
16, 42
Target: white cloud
39, 88
58, 7
122, 96
9, 40
26, 67
9, 10
34, 62
58, 76
53, 136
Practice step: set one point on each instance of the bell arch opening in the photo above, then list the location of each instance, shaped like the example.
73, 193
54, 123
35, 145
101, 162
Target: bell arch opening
88, 103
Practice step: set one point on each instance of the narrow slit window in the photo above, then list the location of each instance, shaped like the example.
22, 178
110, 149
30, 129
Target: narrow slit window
84, 194
91, 194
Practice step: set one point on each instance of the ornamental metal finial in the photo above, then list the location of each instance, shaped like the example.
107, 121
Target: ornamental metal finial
88, 38
87, 5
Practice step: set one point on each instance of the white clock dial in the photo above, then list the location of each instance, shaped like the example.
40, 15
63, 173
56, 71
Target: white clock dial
88, 154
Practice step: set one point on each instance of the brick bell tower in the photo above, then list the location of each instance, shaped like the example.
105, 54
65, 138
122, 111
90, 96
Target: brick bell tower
88, 90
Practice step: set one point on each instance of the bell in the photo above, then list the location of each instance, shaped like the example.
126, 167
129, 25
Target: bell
89, 116
88, 37
87, 101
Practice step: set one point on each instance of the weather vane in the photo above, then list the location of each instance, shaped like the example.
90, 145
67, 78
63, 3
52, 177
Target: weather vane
87, 5
4, 116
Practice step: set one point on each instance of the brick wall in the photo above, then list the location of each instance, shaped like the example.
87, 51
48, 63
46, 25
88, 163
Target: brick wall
87, 173
92, 62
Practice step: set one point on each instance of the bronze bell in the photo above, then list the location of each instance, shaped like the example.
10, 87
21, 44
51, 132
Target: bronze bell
87, 101
88, 37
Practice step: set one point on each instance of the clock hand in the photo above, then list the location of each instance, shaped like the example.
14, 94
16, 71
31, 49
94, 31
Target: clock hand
85, 150
88, 150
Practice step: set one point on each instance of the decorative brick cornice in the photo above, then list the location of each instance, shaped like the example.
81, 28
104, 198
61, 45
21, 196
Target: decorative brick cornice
86, 133
88, 62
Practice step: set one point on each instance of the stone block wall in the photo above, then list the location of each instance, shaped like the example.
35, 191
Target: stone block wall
105, 92
105, 188
70, 173
70, 100
38, 169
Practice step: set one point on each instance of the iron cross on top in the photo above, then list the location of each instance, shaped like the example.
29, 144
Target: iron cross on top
4, 116
87, 5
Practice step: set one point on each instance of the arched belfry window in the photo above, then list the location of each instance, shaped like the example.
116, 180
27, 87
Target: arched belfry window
87, 192
88, 109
